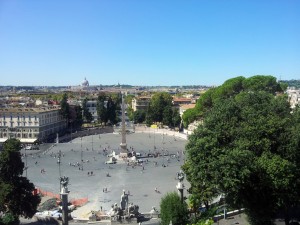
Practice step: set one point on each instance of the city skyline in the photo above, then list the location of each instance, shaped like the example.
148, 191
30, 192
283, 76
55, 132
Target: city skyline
147, 43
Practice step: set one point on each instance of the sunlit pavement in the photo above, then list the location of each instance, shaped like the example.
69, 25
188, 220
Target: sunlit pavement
140, 183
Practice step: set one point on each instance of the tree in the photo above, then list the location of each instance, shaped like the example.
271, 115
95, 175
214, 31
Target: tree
16, 192
87, 115
247, 149
111, 111
176, 119
158, 103
149, 119
64, 107
167, 116
101, 109
230, 89
139, 116
173, 210
78, 120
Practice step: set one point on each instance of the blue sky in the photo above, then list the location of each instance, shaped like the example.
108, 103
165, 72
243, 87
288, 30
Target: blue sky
147, 42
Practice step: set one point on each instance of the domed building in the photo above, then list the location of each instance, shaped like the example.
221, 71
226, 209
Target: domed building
85, 83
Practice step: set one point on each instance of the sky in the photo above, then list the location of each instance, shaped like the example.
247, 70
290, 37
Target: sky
147, 42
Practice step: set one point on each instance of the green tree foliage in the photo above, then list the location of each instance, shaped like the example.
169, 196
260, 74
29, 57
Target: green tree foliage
248, 148
291, 83
167, 116
176, 119
139, 116
172, 209
111, 111
149, 119
78, 120
158, 103
128, 99
117, 99
87, 115
101, 109
189, 116
262, 83
16, 192
229, 89
64, 107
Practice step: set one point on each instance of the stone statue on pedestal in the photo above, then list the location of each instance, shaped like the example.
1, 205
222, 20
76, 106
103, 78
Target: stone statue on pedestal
124, 200
180, 176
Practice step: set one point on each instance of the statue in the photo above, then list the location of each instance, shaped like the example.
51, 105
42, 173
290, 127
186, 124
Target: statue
64, 181
180, 176
124, 200
133, 210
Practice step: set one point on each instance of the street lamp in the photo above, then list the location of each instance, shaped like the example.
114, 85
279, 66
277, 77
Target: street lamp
180, 185
25, 162
92, 143
81, 162
64, 198
58, 163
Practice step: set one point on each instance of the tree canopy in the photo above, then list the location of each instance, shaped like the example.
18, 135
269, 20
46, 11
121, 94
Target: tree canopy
16, 192
160, 109
248, 149
228, 89
101, 109
87, 115
173, 210
64, 107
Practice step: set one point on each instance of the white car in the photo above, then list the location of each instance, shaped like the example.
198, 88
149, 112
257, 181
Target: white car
28, 147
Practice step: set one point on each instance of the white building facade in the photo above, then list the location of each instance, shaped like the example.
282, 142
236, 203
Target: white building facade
30, 124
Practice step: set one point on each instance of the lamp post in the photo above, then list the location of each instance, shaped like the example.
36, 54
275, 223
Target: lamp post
64, 199
25, 162
92, 142
58, 163
81, 153
180, 185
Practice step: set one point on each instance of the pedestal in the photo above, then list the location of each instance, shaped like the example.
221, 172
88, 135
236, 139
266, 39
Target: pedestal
64, 200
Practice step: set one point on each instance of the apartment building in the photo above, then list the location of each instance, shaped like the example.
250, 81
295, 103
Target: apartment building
140, 103
30, 124
181, 101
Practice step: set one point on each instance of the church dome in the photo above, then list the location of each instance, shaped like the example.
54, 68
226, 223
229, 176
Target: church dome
85, 83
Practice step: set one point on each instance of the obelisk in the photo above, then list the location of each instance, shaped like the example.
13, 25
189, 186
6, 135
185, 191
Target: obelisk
123, 144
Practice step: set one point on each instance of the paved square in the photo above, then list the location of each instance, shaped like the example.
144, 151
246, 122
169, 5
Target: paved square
141, 183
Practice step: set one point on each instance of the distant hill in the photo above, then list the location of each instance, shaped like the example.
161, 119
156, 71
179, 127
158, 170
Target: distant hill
292, 83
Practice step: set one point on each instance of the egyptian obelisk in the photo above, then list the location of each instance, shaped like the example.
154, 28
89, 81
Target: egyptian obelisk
123, 144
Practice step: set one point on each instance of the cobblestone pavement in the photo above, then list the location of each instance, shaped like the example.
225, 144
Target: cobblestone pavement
141, 183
